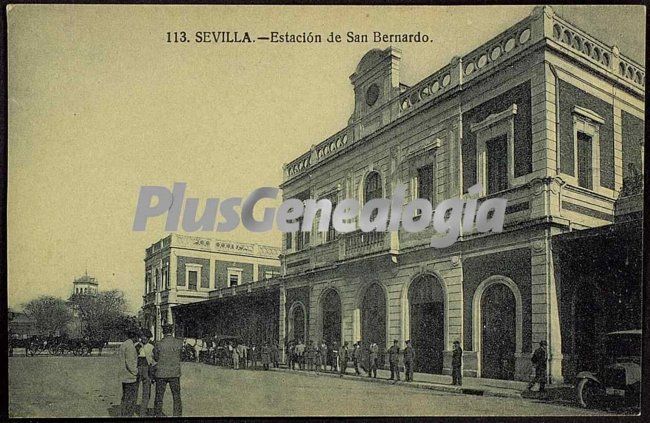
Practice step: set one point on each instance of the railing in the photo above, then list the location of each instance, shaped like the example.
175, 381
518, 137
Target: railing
428, 89
346, 246
358, 243
497, 50
597, 52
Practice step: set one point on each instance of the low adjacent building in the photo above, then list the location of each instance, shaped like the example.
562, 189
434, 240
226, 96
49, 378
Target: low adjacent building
599, 275
181, 269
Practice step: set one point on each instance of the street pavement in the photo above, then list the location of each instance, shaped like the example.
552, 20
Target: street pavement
47, 386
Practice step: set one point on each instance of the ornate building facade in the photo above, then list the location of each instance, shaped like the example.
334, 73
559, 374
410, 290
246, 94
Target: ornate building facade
543, 115
182, 269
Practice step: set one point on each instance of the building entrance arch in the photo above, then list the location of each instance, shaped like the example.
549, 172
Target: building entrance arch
373, 318
297, 322
426, 298
330, 305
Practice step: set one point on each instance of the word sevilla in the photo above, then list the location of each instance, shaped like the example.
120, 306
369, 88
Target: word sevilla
293, 215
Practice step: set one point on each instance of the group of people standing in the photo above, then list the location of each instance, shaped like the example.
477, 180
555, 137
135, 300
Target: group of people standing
366, 357
143, 364
268, 354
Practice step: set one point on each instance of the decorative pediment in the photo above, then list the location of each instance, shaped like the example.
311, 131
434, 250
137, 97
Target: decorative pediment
588, 114
494, 119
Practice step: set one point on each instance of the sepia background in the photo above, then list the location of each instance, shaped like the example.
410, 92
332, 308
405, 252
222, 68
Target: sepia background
100, 105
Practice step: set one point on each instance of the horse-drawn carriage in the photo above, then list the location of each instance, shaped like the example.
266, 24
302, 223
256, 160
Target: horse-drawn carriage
56, 345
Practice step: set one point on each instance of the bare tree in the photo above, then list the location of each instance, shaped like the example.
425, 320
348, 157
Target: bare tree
50, 314
101, 313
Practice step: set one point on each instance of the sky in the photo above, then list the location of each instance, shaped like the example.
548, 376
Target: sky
100, 105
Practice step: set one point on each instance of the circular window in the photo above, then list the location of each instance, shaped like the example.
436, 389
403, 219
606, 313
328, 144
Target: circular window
372, 94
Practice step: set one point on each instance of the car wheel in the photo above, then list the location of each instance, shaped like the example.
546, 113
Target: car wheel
589, 393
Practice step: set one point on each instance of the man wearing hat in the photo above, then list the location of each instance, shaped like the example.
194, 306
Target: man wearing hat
457, 364
167, 354
373, 356
145, 368
393, 360
539, 361
409, 359
344, 356
129, 374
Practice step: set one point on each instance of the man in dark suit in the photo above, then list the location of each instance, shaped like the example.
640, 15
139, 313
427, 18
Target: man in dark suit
373, 356
393, 360
539, 361
457, 364
167, 354
409, 359
344, 356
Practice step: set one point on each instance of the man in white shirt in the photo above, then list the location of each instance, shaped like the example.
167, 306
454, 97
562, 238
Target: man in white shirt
145, 368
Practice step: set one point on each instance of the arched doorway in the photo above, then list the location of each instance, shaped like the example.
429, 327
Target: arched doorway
331, 315
498, 332
373, 318
427, 323
297, 322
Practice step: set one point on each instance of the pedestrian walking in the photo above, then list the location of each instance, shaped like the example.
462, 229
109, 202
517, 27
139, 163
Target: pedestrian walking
145, 369
242, 351
129, 374
393, 360
235, 356
457, 364
344, 356
198, 345
325, 355
275, 354
539, 361
373, 356
254, 351
292, 355
167, 354
318, 361
409, 360
310, 355
356, 358
266, 356
300, 354
334, 359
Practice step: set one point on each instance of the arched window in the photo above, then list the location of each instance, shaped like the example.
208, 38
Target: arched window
372, 188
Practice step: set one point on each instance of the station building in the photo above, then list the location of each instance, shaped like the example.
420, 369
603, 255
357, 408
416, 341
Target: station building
544, 115
181, 269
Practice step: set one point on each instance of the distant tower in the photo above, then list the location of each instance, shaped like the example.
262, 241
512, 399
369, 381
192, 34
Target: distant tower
85, 285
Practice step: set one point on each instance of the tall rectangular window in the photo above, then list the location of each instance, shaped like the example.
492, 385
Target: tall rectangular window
585, 171
302, 238
288, 240
425, 182
193, 277
497, 164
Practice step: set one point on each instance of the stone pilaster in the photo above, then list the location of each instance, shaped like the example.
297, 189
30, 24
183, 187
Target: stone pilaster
282, 324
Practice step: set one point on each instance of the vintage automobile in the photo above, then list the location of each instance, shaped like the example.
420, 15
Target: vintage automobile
618, 379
